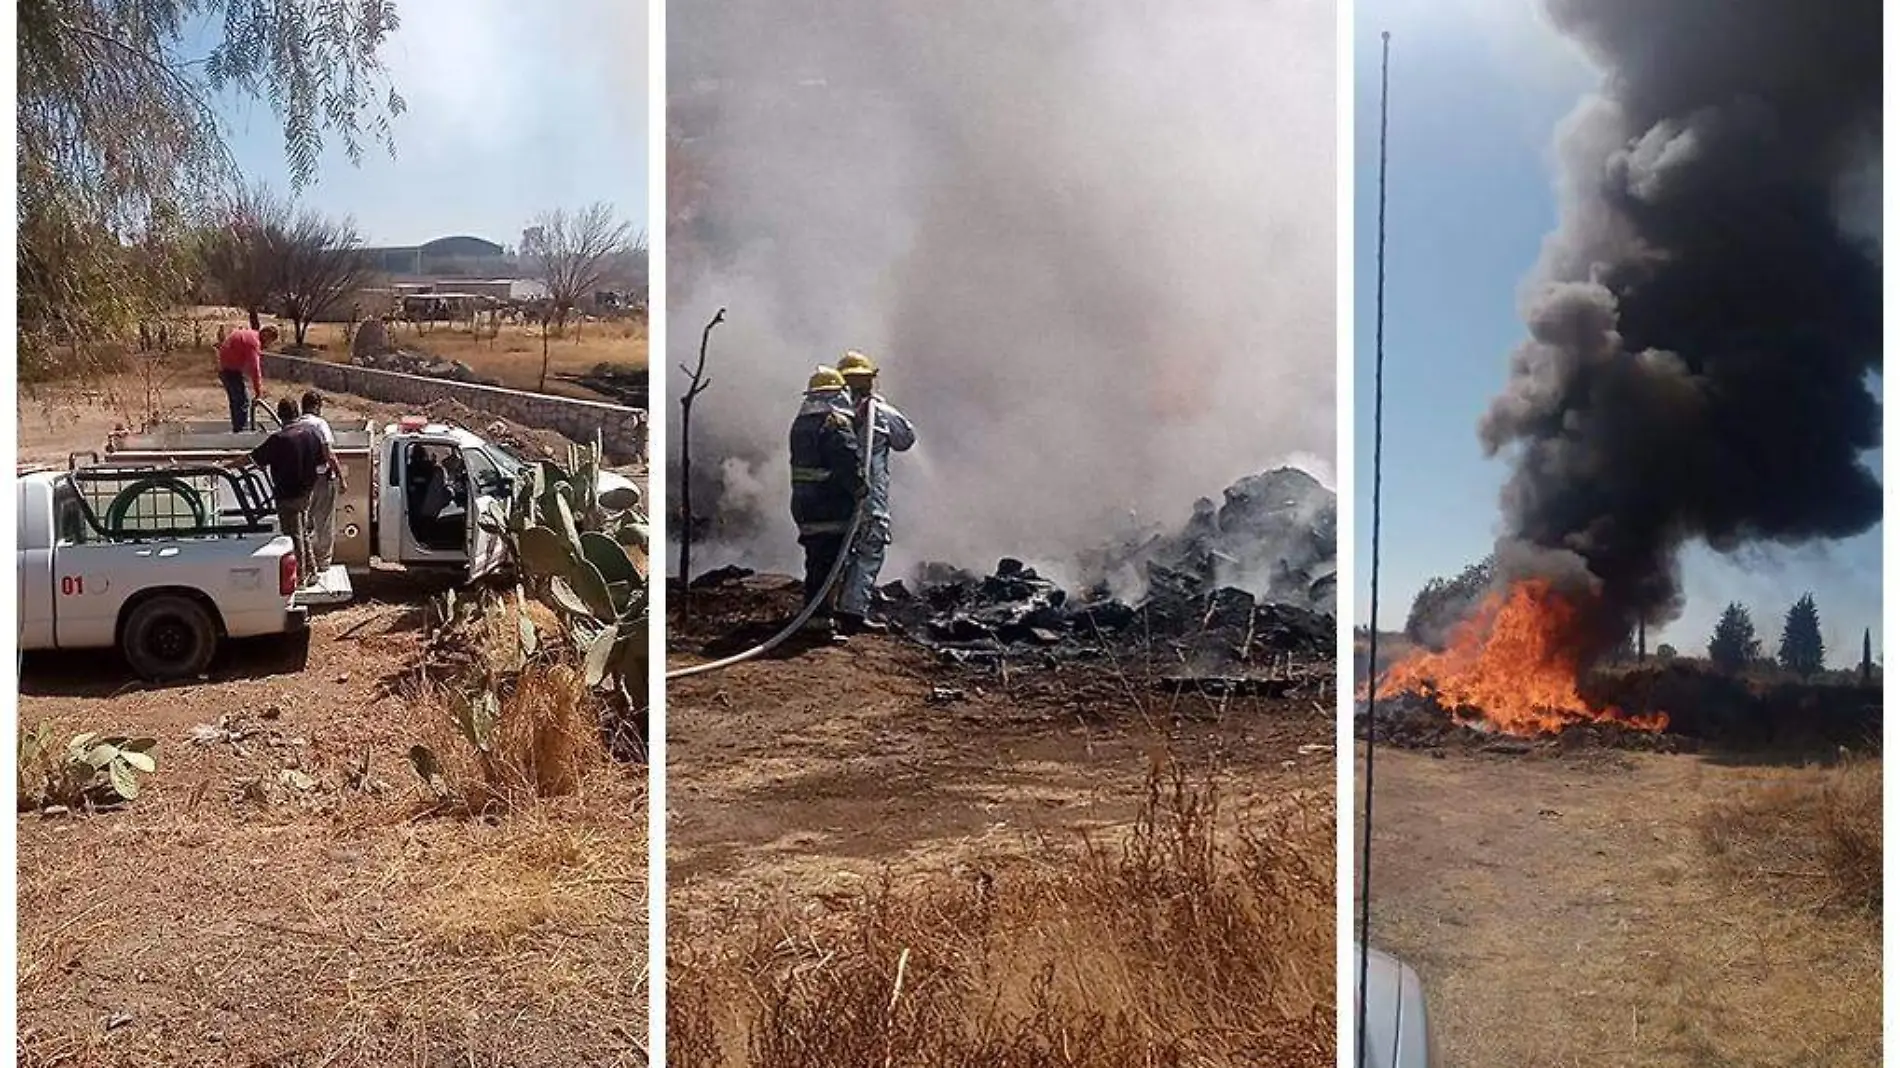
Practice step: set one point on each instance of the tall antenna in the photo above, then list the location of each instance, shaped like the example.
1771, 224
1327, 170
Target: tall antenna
1372, 639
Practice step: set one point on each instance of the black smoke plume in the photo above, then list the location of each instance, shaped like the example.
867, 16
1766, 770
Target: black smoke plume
1704, 344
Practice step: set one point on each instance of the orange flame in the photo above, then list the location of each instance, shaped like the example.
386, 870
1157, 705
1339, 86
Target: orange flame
1509, 667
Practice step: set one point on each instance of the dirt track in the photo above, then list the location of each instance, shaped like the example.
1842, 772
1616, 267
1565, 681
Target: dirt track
1563, 911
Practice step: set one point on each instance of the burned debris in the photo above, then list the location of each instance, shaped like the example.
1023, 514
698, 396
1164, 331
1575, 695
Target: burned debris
1240, 594
1273, 534
1183, 637
1236, 602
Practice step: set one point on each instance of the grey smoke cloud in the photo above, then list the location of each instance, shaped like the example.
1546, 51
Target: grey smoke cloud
1091, 245
1704, 324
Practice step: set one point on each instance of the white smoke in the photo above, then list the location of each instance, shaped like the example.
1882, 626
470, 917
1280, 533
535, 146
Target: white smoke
1092, 247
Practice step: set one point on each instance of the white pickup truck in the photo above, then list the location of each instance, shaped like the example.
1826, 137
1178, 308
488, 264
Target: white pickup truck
162, 564
416, 490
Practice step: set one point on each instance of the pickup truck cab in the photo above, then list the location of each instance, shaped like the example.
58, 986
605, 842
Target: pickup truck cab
162, 564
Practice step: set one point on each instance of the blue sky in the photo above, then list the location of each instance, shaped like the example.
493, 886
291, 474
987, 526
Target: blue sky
512, 111
1478, 87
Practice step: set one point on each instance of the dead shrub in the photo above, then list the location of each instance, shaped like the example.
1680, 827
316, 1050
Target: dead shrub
1811, 836
1196, 940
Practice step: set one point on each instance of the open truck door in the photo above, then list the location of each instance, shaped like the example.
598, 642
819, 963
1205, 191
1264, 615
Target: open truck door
487, 517
490, 494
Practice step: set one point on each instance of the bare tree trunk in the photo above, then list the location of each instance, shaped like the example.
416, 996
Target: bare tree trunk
1867, 657
696, 384
256, 323
543, 387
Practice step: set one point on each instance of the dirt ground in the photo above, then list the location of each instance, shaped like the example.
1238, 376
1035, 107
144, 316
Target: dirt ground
799, 781
812, 766
266, 902
1565, 911
804, 775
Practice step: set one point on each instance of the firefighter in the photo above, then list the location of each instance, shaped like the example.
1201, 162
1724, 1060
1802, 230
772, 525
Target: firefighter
827, 481
890, 431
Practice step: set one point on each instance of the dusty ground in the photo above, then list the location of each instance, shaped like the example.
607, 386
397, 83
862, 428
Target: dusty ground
237, 915
821, 765
1566, 911
799, 781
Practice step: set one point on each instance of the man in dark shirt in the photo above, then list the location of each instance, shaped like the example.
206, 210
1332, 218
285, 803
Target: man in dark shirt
292, 456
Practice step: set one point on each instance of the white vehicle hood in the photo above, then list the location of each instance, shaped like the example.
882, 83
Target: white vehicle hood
1396, 1035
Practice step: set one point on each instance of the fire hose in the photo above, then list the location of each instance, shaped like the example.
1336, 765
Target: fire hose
837, 570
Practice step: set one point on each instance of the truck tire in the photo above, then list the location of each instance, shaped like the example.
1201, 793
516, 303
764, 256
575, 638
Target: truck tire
168, 637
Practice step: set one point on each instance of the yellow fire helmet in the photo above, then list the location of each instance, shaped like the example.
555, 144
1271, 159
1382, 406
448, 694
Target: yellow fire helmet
857, 365
824, 378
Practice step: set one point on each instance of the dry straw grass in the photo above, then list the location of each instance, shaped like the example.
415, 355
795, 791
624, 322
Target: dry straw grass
547, 736
1811, 837
1197, 940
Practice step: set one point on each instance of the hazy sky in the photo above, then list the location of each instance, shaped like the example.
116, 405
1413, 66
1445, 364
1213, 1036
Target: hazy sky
1478, 87
513, 110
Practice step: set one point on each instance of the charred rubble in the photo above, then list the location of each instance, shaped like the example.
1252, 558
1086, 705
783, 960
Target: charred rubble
1185, 634
1273, 534
1239, 600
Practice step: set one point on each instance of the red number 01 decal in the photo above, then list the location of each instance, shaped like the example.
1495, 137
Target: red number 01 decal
71, 585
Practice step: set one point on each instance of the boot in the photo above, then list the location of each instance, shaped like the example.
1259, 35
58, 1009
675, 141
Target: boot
851, 623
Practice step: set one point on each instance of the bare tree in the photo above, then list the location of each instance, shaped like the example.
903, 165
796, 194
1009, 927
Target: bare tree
697, 382
117, 134
322, 262
573, 253
240, 252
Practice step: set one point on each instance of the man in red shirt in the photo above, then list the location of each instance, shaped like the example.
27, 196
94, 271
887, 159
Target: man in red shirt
240, 357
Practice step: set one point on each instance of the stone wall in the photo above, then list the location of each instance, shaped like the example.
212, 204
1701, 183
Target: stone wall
623, 431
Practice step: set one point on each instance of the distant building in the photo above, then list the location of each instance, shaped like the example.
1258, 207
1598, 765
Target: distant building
457, 256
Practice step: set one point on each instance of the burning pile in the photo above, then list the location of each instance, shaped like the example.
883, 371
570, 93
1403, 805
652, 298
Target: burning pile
1512, 667
1703, 345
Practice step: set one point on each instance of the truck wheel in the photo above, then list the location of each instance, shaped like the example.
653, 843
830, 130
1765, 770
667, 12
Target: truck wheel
169, 638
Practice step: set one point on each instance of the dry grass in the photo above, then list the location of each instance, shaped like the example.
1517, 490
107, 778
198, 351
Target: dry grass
510, 355
1197, 940
1809, 838
1567, 911
514, 355
547, 735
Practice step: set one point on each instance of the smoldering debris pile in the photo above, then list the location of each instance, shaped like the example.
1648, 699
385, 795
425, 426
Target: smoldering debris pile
1237, 601
1214, 638
1241, 594
1272, 534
